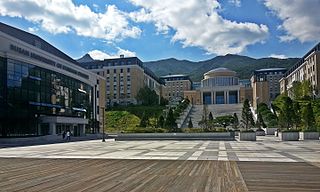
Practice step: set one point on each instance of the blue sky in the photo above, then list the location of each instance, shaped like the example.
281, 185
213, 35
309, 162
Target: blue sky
183, 29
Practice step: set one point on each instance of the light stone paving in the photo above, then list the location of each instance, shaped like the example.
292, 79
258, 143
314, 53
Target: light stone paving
267, 149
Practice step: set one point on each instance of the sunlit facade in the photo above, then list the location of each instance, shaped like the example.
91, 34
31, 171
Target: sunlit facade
219, 86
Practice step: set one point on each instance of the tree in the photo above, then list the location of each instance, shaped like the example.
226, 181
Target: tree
163, 101
306, 89
210, 116
308, 117
235, 121
247, 118
170, 121
146, 96
225, 120
190, 125
296, 115
297, 90
204, 123
287, 114
260, 123
161, 121
144, 120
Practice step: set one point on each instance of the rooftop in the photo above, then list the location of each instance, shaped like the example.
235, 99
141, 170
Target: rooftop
271, 69
174, 75
35, 41
219, 70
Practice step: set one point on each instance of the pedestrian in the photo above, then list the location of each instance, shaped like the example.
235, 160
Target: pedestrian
68, 135
63, 135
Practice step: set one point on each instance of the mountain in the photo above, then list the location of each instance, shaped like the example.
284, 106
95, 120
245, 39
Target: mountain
243, 65
85, 58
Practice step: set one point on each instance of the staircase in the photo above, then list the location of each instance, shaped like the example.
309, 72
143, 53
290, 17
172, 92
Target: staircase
195, 114
216, 110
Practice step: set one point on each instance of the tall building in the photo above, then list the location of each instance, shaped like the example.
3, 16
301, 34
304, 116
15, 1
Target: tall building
307, 68
265, 85
125, 76
219, 86
175, 85
42, 90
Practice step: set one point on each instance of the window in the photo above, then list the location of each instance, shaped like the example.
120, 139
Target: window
108, 71
121, 70
128, 70
114, 70
97, 94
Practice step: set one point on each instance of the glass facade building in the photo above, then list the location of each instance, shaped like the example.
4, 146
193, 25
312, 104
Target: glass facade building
29, 91
42, 90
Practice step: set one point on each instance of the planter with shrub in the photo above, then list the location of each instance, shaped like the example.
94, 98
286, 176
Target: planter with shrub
249, 135
309, 135
289, 135
260, 132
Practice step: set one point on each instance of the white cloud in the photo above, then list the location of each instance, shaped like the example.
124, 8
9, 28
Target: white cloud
64, 16
236, 3
278, 56
197, 23
99, 55
125, 52
300, 19
33, 29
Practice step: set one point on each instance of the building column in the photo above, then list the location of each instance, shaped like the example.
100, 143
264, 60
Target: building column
227, 102
238, 96
201, 97
52, 128
212, 97
215, 97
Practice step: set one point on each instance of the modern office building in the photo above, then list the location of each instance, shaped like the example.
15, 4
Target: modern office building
307, 68
219, 86
43, 91
174, 86
125, 76
265, 85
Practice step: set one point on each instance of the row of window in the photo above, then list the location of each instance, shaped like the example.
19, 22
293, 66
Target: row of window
51, 92
114, 71
220, 81
102, 64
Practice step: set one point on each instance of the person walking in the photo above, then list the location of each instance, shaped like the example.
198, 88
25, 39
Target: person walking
63, 135
68, 135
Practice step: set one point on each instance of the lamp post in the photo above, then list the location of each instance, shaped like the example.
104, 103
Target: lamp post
103, 138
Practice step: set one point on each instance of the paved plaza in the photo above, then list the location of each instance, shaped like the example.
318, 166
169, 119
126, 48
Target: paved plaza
265, 149
264, 165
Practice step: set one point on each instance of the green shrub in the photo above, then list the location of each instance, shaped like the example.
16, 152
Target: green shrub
144, 130
247, 131
290, 130
193, 130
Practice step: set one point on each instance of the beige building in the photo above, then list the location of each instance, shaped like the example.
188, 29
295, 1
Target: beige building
174, 86
265, 85
307, 68
124, 78
219, 86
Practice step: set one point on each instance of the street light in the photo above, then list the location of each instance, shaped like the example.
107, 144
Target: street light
103, 138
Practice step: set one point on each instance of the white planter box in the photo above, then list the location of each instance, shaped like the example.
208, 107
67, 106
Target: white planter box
289, 136
309, 135
260, 133
247, 136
